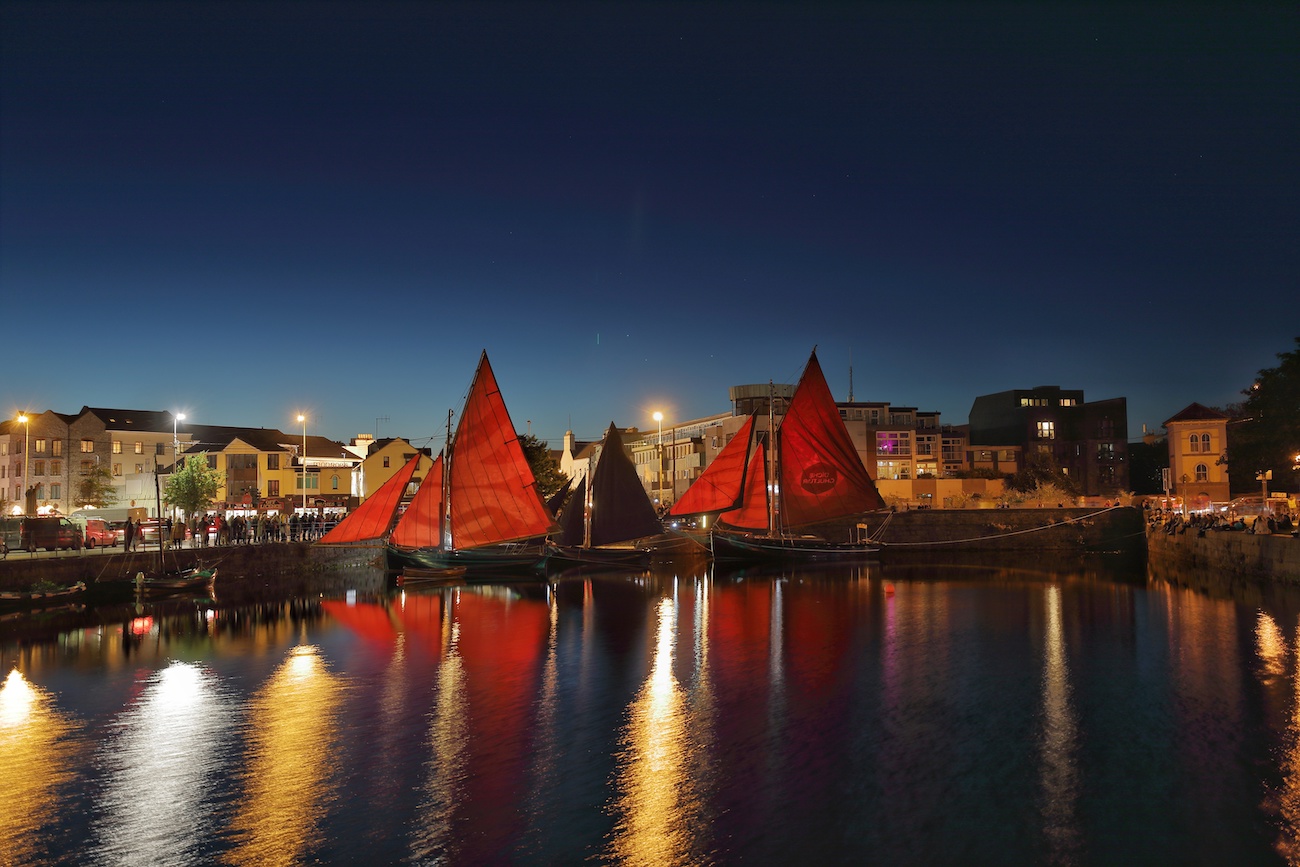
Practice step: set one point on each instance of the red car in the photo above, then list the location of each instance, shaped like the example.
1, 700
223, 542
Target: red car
97, 532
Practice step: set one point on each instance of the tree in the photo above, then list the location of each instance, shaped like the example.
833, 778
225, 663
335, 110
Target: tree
194, 487
1145, 461
1267, 434
96, 489
545, 469
1040, 472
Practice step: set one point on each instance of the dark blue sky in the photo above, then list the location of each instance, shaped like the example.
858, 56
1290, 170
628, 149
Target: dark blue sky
247, 210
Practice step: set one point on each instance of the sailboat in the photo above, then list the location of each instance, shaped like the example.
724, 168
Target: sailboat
762, 495
478, 510
479, 506
611, 521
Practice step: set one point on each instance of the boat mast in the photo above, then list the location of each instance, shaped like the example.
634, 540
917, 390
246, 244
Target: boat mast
445, 517
586, 503
772, 481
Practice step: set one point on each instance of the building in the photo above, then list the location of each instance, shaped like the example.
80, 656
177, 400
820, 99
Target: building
381, 460
1197, 439
265, 468
1087, 440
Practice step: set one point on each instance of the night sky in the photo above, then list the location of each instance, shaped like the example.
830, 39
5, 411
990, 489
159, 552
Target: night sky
244, 211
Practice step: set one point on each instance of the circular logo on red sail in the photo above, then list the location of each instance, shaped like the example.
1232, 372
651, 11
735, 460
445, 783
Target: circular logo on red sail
818, 479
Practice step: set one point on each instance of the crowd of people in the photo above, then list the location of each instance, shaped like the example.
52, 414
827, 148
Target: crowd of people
1265, 524
217, 529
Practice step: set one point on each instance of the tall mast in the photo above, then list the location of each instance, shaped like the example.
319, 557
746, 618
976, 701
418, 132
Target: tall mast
773, 484
445, 517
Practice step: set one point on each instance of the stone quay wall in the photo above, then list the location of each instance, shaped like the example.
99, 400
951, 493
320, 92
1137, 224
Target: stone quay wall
986, 530
1231, 553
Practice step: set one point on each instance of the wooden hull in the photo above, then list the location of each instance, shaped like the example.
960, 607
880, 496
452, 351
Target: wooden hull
746, 548
563, 556
36, 599
503, 559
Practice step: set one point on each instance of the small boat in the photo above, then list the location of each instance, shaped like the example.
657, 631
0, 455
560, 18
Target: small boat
807, 472
174, 582
610, 522
41, 598
414, 576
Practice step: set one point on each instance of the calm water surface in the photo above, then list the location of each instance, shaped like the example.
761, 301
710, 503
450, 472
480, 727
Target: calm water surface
869, 714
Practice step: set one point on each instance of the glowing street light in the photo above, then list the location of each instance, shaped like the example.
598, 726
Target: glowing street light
659, 477
303, 420
176, 451
26, 421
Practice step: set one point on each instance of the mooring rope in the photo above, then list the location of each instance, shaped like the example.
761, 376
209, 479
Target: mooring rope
1002, 535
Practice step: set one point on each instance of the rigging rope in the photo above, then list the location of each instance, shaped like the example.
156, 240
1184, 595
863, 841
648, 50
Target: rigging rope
999, 535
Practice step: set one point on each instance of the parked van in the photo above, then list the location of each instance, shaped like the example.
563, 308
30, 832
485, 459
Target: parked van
50, 534
97, 532
11, 534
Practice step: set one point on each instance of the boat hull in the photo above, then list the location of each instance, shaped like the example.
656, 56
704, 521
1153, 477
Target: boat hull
564, 555
502, 559
747, 548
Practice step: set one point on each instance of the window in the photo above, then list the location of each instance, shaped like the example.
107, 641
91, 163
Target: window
87, 447
212, 462
56, 448
386, 465
925, 445
87, 466
117, 469
1106, 451
893, 443
1202, 473
158, 449
139, 448
273, 461
273, 487
56, 468
1069, 401
1205, 443
56, 491
117, 447
334, 483
4, 448
1194, 442
40, 445
38, 468
1047, 430
139, 468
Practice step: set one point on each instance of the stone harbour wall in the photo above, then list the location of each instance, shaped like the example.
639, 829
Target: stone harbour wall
1230, 553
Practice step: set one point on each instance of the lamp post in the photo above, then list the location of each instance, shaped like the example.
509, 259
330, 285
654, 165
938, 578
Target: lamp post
303, 419
659, 473
26, 421
176, 450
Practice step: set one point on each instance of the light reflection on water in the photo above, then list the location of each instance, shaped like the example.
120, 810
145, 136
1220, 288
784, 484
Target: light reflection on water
290, 760
161, 760
923, 715
35, 754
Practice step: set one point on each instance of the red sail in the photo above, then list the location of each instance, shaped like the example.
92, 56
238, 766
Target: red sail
752, 514
720, 485
822, 477
371, 518
421, 523
494, 497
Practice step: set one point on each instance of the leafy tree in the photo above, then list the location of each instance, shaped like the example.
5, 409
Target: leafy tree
1266, 436
1040, 471
97, 489
545, 469
194, 487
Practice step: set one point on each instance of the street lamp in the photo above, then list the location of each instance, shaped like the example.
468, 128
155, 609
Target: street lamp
176, 451
26, 422
659, 474
303, 419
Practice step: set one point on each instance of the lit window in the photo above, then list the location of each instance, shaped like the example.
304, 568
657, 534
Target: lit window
40, 445
38, 468
139, 448
1047, 430
87, 447
117, 447
1202, 473
56, 447
117, 469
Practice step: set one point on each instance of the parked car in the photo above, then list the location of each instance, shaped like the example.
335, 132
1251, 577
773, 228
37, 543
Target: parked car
11, 534
98, 532
50, 533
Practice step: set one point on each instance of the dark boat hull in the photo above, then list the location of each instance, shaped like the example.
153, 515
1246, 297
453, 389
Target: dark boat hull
503, 559
565, 555
746, 548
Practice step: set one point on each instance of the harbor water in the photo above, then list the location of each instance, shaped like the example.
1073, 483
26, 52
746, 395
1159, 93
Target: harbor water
1080, 713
